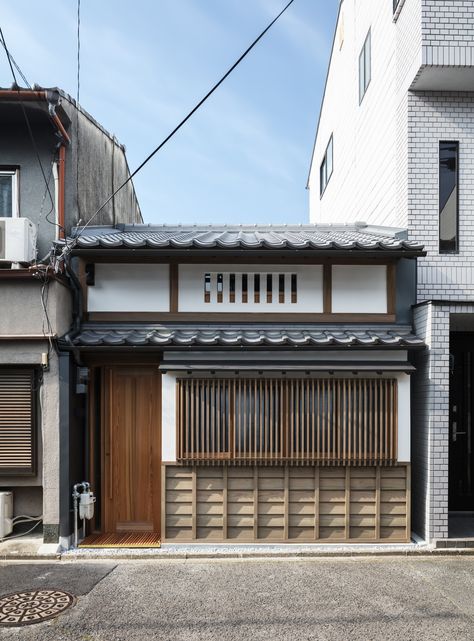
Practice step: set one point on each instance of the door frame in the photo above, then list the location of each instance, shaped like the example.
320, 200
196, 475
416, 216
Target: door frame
97, 423
459, 342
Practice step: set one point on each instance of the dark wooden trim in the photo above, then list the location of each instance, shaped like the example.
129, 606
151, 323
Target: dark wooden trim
245, 256
327, 288
391, 288
241, 317
81, 275
174, 287
97, 359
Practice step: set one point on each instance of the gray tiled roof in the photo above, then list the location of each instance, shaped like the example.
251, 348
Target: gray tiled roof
201, 336
319, 237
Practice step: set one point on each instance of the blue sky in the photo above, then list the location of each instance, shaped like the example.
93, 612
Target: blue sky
244, 156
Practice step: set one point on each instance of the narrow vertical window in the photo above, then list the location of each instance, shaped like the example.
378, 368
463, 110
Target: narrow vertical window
365, 66
448, 197
325, 171
220, 287
245, 288
294, 289
231, 288
207, 288
256, 288
281, 288
8, 194
269, 287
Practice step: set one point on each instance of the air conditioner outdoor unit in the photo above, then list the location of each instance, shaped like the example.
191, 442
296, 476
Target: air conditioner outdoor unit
6, 514
17, 240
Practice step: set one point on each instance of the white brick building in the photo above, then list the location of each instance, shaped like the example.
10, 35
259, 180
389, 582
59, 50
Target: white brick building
395, 146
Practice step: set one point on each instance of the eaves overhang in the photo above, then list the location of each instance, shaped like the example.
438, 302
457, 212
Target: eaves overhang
136, 336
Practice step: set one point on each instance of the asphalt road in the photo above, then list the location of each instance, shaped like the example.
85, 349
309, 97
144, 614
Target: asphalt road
274, 600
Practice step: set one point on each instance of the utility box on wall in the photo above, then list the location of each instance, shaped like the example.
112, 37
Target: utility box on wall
6, 514
17, 240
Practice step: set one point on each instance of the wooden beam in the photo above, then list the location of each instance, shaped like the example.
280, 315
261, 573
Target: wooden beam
327, 289
174, 288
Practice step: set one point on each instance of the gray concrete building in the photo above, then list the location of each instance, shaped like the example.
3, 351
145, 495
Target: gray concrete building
57, 166
399, 149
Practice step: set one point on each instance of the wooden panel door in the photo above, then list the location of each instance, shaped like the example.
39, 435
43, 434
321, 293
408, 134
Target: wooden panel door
132, 449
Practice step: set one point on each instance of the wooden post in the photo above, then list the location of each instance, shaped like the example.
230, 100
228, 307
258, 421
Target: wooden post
194, 502
348, 504
224, 501
286, 503
163, 502
316, 503
377, 502
255, 502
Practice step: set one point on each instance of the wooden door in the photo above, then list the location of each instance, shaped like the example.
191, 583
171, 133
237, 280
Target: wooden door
132, 449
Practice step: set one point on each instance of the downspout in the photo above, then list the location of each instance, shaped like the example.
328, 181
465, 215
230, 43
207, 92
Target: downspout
61, 190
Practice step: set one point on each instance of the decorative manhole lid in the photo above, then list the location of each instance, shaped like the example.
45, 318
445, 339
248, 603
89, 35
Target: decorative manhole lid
35, 606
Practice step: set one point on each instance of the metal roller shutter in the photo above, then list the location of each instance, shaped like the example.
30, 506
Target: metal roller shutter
17, 423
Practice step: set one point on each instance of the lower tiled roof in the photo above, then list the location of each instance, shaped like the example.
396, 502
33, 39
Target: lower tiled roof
135, 335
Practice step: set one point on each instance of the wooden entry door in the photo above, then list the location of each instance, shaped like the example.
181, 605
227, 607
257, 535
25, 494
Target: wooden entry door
132, 449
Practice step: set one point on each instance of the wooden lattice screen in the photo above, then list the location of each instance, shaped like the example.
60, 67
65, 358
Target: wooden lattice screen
328, 421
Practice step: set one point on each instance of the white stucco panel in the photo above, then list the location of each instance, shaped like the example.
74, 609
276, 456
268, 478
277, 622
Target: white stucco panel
359, 289
168, 418
309, 279
129, 287
404, 418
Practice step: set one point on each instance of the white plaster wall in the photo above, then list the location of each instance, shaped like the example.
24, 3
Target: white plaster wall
309, 296
359, 289
168, 417
367, 137
129, 287
404, 418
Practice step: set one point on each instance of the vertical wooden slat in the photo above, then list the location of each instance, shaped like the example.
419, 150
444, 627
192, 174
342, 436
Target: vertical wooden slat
231, 418
338, 415
271, 402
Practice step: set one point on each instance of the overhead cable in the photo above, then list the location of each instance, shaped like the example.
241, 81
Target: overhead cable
185, 119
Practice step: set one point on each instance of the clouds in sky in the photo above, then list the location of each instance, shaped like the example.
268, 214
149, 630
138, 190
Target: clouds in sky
244, 156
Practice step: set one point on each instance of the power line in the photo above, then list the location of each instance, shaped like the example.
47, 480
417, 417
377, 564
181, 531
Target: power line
78, 49
12, 60
185, 119
28, 126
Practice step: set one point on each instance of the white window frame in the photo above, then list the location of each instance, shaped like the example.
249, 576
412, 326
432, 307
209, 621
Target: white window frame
15, 191
365, 66
326, 168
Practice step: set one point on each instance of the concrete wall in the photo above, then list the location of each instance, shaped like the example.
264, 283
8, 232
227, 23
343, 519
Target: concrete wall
95, 165
21, 310
96, 162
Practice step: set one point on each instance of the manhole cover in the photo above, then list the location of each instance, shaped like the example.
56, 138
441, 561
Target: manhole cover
35, 606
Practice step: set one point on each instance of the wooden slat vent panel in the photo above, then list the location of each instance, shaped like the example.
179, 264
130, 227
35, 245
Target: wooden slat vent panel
304, 503
16, 422
327, 421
